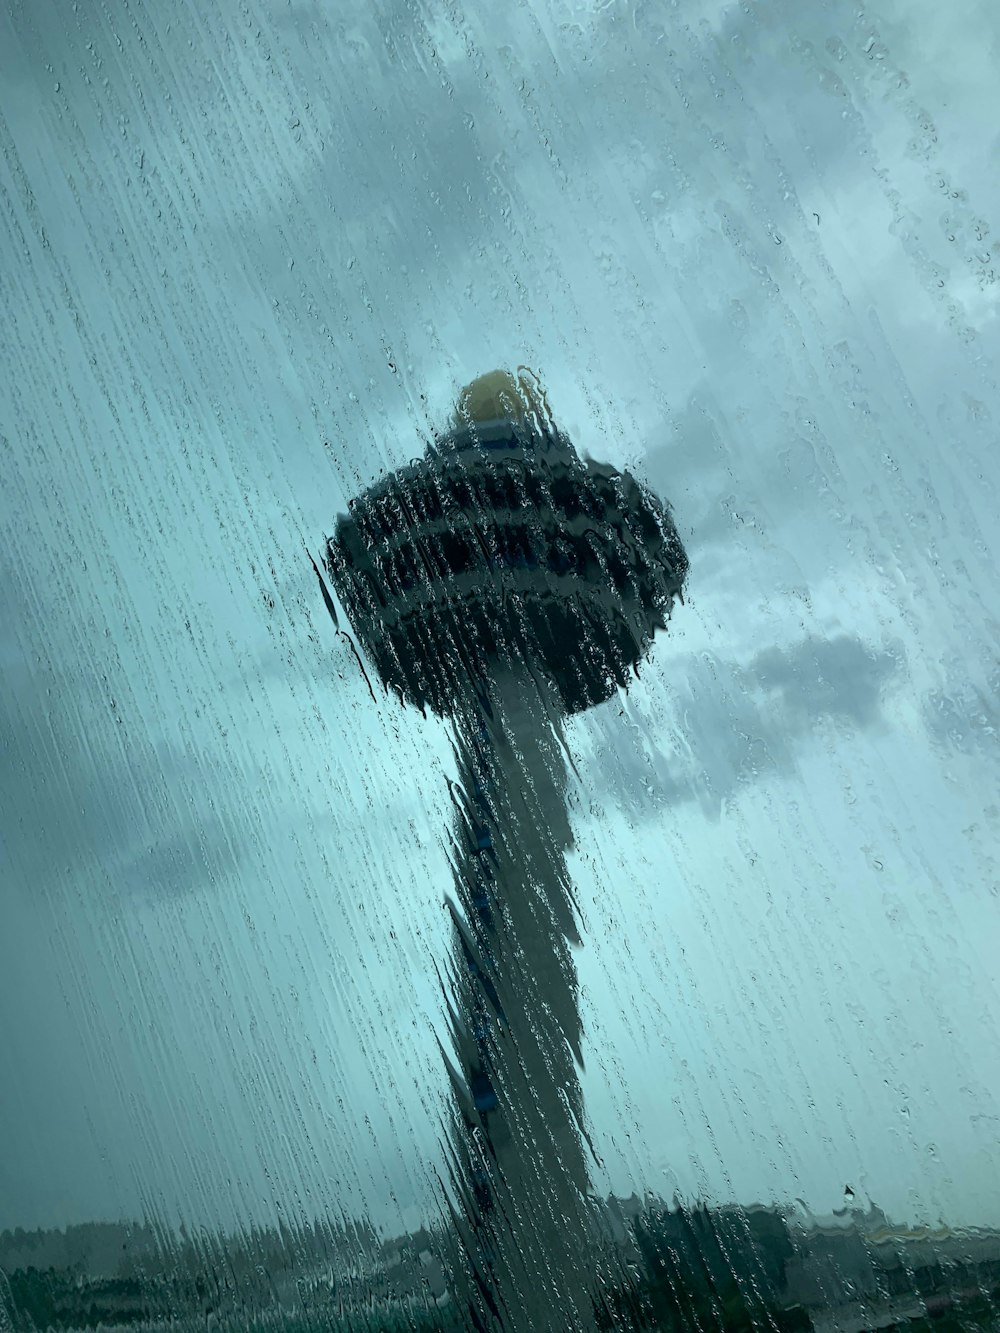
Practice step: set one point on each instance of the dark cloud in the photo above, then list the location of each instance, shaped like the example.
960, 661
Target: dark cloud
837, 678
734, 724
75, 798
183, 860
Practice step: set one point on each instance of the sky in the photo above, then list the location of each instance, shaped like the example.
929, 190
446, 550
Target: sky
250, 254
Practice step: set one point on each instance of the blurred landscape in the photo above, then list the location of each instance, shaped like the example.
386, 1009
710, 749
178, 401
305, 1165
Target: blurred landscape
667, 1267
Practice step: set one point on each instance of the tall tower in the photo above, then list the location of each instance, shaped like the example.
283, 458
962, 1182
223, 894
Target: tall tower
504, 583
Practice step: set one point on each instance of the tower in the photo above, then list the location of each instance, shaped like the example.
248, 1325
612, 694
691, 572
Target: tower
503, 582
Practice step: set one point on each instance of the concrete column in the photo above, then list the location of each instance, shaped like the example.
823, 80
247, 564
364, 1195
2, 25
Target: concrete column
529, 1226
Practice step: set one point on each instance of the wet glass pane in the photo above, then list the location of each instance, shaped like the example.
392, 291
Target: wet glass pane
498, 806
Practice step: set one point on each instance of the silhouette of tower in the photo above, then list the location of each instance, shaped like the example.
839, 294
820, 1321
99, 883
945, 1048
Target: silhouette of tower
504, 583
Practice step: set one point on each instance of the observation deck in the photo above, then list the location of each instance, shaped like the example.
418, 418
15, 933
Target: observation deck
502, 544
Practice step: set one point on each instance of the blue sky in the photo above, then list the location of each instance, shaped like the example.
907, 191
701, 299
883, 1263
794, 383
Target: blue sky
250, 258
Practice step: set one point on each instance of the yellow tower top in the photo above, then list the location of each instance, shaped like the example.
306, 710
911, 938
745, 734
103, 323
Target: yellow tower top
500, 395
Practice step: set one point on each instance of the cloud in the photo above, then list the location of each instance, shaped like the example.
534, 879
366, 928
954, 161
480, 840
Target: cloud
839, 678
733, 724
77, 802
965, 716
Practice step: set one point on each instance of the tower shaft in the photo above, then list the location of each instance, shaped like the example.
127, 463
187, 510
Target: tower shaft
529, 1227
